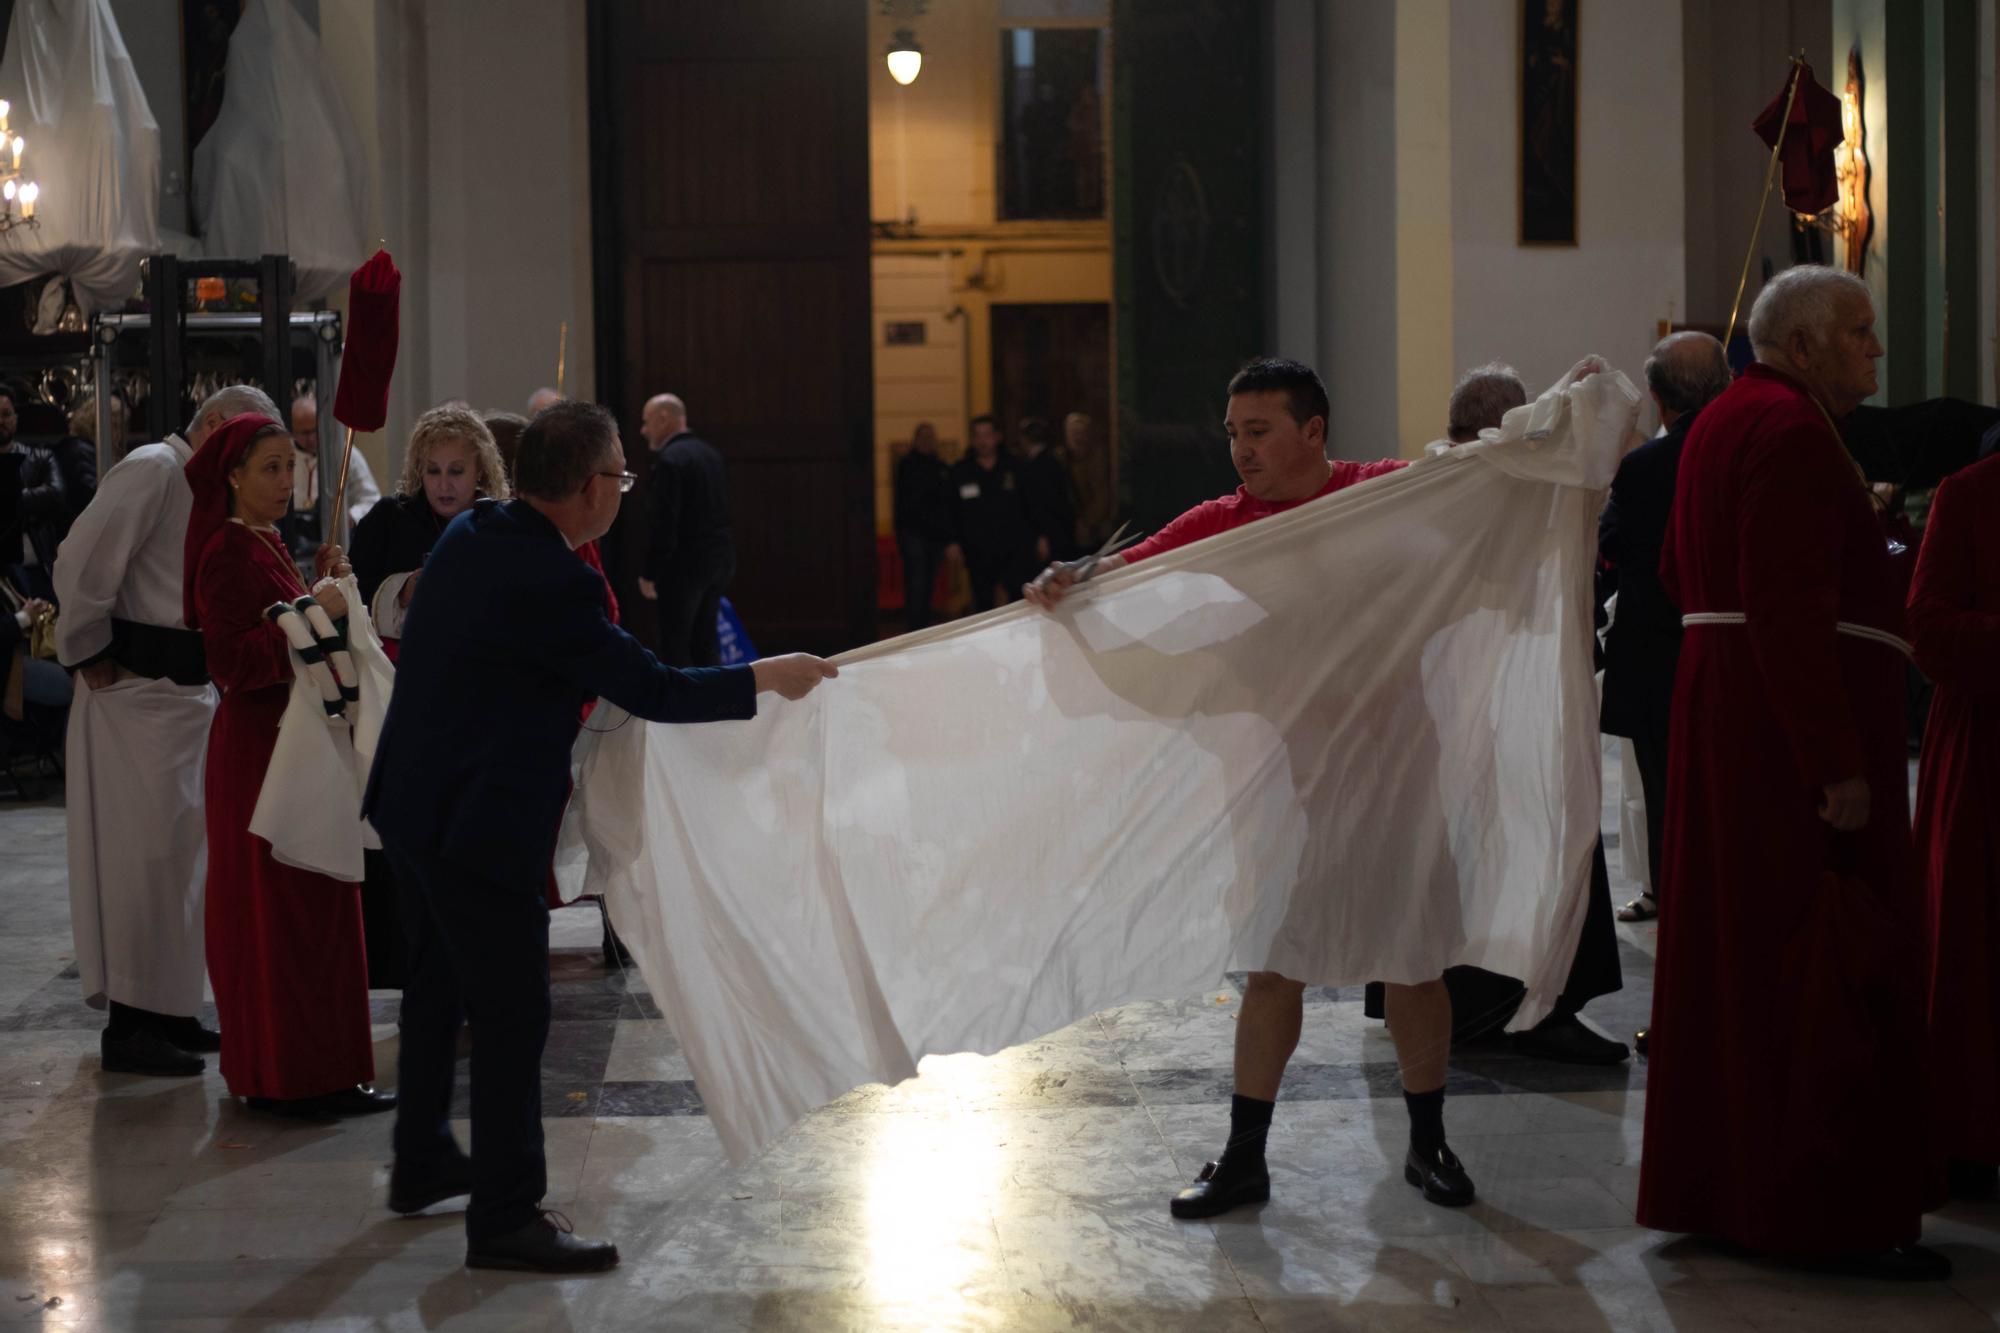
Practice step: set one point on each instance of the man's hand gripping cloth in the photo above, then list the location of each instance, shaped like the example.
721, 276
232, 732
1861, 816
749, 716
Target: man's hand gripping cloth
1356, 740
309, 808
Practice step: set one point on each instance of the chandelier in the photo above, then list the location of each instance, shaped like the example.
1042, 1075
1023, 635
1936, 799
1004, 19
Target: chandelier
17, 196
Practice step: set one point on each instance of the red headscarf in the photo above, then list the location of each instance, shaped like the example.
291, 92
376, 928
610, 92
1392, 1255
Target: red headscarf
208, 477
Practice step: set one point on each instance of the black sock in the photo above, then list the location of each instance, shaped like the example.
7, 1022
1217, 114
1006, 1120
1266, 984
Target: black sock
1249, 1126
1426, 1120
126, 1021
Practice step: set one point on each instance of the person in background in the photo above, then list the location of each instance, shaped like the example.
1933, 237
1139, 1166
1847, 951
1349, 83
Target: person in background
1480, 399
300, 526
34, 506
1090, 474
1046, 489
924, 532
691, 554
991, 517
506, 428
541, 398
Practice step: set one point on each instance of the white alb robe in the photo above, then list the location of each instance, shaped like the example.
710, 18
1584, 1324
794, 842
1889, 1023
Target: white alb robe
137, 847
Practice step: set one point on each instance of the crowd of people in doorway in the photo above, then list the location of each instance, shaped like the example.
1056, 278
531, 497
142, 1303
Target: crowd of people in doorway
998, 512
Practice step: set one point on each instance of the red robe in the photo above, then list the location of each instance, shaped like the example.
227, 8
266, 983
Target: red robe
285, 949
1784, 1100
1955, 628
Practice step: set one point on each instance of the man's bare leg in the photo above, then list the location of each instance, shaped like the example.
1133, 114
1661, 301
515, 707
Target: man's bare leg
1267, 1032
1420, 1025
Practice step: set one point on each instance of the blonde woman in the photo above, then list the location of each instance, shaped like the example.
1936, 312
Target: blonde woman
451, 462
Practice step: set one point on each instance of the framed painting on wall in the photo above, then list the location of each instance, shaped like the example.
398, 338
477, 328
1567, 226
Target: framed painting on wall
1548, 122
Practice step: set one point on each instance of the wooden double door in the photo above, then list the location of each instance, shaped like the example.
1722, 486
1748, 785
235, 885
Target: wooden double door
729, 148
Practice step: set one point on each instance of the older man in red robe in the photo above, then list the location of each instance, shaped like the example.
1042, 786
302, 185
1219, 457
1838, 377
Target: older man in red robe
1955, 628
1784, 1106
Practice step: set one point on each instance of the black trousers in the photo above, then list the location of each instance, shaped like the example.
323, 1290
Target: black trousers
381, 922
921, 558
1649, 754
688, 606
477, 950
1484, 1002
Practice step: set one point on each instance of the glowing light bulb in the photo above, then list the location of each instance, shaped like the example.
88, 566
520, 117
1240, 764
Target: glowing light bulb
906, 58
29, 193
7, 191
20, 146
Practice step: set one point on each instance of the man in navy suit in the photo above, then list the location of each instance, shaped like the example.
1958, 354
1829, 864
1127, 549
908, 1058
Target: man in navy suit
1643, 646
506, 639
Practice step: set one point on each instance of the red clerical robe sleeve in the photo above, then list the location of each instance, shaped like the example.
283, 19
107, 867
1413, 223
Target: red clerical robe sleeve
1956, 644
232, 589
1797, 487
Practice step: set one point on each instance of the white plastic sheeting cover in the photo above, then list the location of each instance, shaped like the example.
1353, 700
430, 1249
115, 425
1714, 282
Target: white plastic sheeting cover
282, 170
1354, 741
93, 147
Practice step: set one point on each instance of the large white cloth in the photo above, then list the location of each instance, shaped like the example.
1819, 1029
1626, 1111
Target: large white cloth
135, 750
282, 169
309, 808
94, 149
1356, 740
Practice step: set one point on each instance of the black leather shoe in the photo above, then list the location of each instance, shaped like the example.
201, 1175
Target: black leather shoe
413, 1190
616, 955
1221, 1187
190, 1035
1642, 1039
1568, 1041
141, 1051
1443, 1180
545, 1245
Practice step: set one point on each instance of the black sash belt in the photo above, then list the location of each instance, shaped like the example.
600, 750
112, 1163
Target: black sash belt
159, 652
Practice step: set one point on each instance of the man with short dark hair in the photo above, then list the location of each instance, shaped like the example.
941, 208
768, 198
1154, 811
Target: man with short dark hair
507, 637
925, 534
691, 551
1642, 648
1276, 421
994, 530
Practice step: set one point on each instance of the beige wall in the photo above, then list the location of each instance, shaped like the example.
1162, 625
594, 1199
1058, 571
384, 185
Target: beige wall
474, 114
932, 156
1419, 273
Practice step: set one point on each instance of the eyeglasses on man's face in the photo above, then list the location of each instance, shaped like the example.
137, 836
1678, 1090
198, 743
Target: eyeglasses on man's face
626, 480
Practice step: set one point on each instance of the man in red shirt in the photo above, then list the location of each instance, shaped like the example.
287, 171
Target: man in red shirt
1276, 423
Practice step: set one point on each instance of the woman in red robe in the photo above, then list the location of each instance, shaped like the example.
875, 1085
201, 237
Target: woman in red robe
285, 947
1955, 629
1784, 1098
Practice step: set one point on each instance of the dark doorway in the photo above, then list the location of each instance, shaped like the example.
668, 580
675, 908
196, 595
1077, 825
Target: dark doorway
1052, 360
729, 149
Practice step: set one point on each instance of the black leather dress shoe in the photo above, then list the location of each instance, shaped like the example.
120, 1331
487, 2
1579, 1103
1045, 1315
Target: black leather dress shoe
545, 1245
1642, 1039
190, 1035
1569, 1042
411, 1190
142, 1051
1442, 1179
616, 955
1220, 1187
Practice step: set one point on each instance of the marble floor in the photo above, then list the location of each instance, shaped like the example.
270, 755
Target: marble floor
1023, 1191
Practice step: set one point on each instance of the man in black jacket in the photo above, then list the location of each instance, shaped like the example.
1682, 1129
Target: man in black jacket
34, 506
925, 533
508, 624
1050, 495
992, 518
1642, 648
691, 556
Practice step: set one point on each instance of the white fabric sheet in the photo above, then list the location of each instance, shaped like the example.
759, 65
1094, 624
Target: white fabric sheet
93, 147
1354, 741
282, 170
137, 844
309, 808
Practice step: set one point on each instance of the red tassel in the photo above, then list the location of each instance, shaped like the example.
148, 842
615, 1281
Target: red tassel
374, 300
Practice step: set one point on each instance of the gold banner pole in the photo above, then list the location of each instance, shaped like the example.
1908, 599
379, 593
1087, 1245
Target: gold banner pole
1770, 175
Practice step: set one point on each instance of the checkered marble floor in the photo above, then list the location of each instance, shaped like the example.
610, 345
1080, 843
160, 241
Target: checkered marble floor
1023, 1191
